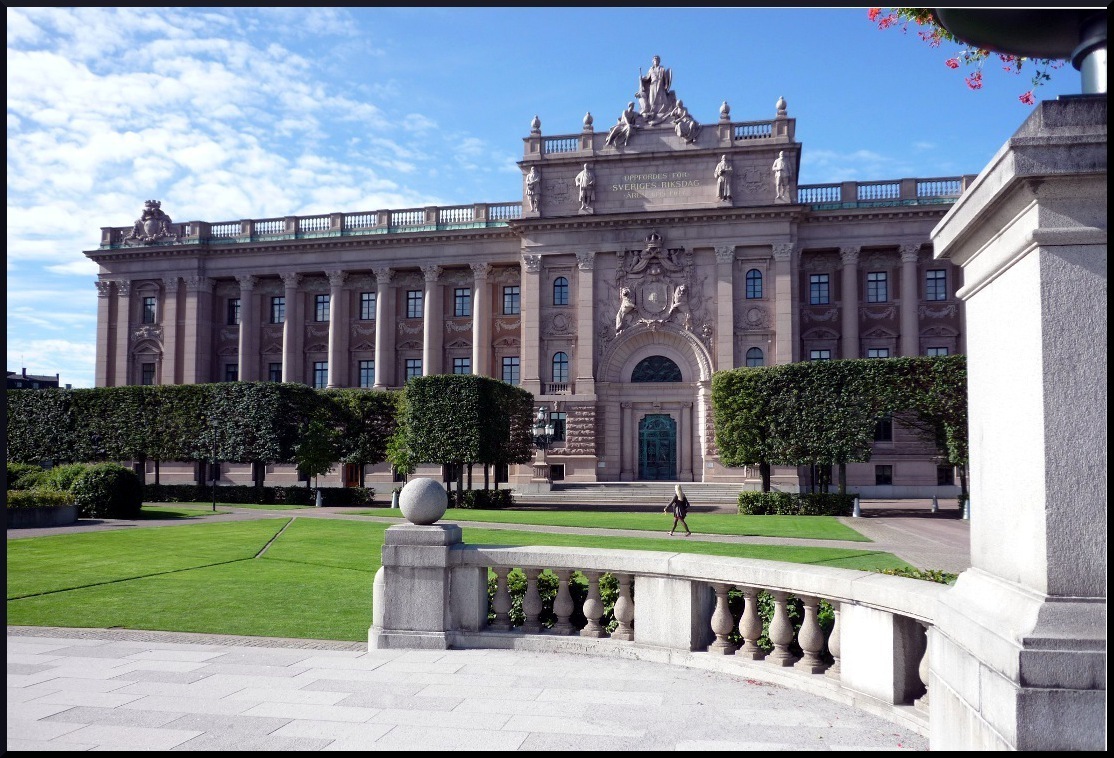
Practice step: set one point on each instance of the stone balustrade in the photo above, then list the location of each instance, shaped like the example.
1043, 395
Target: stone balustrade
432, 592
931, 191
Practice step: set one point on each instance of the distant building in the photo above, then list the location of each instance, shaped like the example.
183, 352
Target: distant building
21, 380
638, 261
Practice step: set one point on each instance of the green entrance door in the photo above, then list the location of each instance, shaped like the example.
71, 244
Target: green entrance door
657, 447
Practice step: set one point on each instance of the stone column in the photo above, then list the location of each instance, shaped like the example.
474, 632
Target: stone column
170, 334
849, 305
910, 331
725, 307
1018, 654
785, 343
121, 375
585, 317
198, 331
338, 330
434, 318
481, 319
293, 331
626, 433
104, 347
384, 329
531, 324
249, 330
686, 442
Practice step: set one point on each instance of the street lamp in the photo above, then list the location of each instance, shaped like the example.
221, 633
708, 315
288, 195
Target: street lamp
543, 434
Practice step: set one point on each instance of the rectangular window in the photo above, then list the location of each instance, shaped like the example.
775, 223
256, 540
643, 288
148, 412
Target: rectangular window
818, 289
147, 374
278, 310
231, 372
877, 289
233, 311
936, 284
878, 352
819, 355
936, 352
320, 307
413, 304
462, 365
883, 474
320, 375
511, 304
558, 419
510, 369
367, 306
367, 374
945, 476
462, 301
884, 429
274, 372
148, 310
413, 368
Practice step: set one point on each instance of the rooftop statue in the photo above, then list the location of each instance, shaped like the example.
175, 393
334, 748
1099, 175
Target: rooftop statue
619, 134
654, 95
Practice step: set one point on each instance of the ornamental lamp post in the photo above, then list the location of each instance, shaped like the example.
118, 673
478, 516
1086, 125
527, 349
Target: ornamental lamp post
213, 425
543, 433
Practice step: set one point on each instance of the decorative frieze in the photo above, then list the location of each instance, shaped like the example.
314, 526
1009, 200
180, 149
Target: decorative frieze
910, 252
849, 256
753, 317
559, 325
943, 311
104, 287
585, 261
383, 275
406, 328
123, 287
147, 332
290, 280
877, 313
431, 273
506, 325
829, 314
782, 251
336, 278
480, 271
458, 325
531, 264
363, 329
819, 262
725, 253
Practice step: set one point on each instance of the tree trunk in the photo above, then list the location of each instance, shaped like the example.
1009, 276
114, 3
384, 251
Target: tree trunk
156, 471
764, 471
459, 485
843, 478
487, 482
470, 475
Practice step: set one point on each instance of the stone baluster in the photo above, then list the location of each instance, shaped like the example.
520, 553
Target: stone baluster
750, 626
593, 607
833, 645
781, 632
532, 602
921, 703
624, 610
722, 623
562, 604
810, 638
501, 603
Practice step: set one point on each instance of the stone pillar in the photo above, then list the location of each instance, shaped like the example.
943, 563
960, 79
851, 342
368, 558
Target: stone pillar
785, 343
170, 334
481, 319
725, 308
434, 322
104, 347
249, 330
849, 302
384, 329
910, 328
198, 331
626, 434
338, 330
1017, 657
121, 374
673, 613
585, 317
531, 324
686, 442
293, 331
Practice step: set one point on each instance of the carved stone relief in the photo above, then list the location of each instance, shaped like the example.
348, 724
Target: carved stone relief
506, 325
405, 328
227, 289
147, 332
831, 314
752, 317
152, 227
458, 325
230, 334
558, 325
877, 313
943, 311
362, 329
820, 262
580, 429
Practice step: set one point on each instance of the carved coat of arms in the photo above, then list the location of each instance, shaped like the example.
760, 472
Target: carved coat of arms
152, 227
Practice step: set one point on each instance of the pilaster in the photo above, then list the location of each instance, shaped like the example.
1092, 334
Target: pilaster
105, 348
433, 315
384, 328
585, 315
121, 375
171, 331
338, 329
785, 342
481, 319
849, 305
249, 330
292, 331
910, 333
725, 307
531, 324
197, 331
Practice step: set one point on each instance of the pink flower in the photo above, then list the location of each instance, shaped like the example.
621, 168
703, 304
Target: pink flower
974, 81
951, 63
872, 13
1027, 98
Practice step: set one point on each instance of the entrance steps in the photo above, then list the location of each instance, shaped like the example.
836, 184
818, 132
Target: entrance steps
633, 494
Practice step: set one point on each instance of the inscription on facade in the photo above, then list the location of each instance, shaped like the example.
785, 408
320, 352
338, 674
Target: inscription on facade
664, 184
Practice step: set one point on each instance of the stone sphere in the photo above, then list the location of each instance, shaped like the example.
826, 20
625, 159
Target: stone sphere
423, 501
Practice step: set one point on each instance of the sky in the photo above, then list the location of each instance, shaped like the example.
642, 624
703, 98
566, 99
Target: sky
223, 114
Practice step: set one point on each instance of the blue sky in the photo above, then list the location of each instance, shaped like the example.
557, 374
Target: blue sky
225, 114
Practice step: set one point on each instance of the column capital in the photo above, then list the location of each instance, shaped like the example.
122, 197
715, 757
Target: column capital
783, 251
383, 275
336, 278
910, 252
290, 279
432, 273
104, 287
850, 255
480, 270
199, 284
123, 287
626, 406
171, 283
532, 264
247, 283
725, 253
585, 261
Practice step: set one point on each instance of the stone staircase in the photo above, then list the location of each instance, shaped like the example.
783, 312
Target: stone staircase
641, 495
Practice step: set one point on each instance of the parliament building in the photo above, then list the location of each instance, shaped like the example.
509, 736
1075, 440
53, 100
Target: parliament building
639, 259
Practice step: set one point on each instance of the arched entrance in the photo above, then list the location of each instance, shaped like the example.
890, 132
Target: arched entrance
657, 447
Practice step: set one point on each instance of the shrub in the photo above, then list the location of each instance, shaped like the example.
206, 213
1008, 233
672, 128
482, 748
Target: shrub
62, 478
108, 490
24, 476
250, 495
39, 498
487, 499
928, 575
799, 504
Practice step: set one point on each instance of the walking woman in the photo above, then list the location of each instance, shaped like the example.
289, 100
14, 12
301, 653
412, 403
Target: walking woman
679, 507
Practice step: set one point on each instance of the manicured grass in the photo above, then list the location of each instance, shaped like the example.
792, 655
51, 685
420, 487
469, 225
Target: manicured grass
178, 510
801, 527
313, 580
209, 505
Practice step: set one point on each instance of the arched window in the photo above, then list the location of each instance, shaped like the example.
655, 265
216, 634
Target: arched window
754, 285
656, 368
755, 357
560, 368
560, 291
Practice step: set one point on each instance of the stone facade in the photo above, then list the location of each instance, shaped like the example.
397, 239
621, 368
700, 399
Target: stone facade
637, 263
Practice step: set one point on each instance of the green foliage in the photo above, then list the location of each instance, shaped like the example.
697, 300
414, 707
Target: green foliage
795, 504
486, 499
928, 575
24, 476
548, 585
38, 498
318, 449
368, 419
63, 477
247, 494
108, 490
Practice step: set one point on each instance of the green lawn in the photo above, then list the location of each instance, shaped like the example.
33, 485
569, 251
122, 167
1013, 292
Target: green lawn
312, 581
